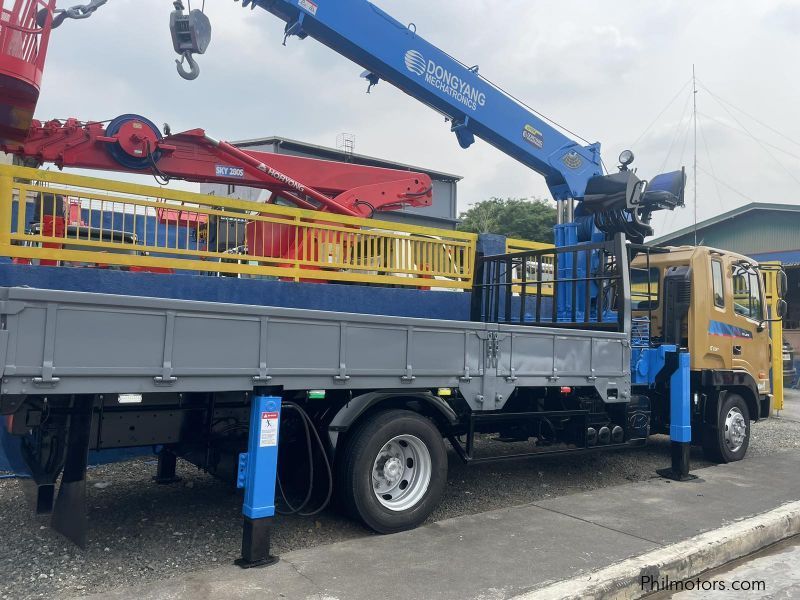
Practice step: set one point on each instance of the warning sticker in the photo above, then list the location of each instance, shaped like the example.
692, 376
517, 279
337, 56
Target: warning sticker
269, 429
309, 6
533, 136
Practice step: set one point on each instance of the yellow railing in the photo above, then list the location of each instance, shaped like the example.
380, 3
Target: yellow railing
771, 272
548, 268
148, 227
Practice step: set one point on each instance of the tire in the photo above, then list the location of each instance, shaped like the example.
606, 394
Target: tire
393, 471
729, 440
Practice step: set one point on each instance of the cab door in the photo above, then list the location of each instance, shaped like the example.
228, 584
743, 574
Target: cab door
750, 338
718, 351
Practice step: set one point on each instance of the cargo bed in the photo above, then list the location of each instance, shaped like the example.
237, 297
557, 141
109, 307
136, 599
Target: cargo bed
83, 343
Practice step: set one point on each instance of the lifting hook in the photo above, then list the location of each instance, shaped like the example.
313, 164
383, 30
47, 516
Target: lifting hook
191, 34
194, 68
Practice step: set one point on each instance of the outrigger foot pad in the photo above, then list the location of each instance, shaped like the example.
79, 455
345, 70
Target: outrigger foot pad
266, 562
679, 471
256, 538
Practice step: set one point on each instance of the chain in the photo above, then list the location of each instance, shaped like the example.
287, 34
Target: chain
79, 11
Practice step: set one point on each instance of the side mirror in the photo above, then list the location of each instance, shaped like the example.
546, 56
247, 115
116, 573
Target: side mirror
781, 308
783, 284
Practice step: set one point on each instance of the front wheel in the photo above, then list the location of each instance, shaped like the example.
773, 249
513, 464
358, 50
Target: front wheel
728, 442
393, 471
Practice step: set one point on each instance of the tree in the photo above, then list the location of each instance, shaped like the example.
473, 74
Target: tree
521, 218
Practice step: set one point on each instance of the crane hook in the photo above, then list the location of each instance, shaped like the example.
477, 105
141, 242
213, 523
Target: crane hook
191, 34
194, 68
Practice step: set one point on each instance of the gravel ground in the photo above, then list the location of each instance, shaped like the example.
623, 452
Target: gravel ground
141, 532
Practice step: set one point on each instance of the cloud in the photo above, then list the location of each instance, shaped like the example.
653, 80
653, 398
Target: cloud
785, 17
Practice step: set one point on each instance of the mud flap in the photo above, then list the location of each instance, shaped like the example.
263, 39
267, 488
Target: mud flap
69, 514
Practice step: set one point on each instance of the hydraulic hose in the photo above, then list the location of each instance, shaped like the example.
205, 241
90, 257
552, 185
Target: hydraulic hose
310, 431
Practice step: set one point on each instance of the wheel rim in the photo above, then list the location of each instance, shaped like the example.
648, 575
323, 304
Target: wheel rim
735, 429
401, 472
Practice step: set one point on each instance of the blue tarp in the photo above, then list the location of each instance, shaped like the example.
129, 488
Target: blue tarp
11, 459
317, 296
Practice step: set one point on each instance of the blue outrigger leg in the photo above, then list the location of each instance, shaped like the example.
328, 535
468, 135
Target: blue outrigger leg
680, 428
258, 469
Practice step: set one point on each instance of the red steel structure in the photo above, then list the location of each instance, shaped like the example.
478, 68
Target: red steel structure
133, 144
25, 27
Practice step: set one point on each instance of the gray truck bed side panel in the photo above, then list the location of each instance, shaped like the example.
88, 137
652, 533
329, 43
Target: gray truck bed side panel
72, 342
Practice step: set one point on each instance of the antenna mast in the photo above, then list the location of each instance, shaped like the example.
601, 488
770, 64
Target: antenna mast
694, 99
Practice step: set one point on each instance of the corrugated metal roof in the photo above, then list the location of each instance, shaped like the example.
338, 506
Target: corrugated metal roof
754, 206
340, 155
789, 258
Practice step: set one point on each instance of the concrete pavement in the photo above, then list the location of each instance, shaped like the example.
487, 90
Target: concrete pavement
505, 553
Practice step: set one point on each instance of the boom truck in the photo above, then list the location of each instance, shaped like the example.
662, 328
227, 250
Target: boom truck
594, 344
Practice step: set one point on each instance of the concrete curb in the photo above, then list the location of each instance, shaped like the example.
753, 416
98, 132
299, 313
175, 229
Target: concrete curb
680, 561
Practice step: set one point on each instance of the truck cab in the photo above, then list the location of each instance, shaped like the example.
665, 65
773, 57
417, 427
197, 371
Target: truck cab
713, 303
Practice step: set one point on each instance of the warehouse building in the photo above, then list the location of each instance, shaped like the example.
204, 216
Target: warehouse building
442, 214
763, 231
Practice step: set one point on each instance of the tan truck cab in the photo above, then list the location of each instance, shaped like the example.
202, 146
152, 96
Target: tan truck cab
711, 302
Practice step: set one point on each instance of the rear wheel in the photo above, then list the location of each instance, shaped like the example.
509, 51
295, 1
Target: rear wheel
393, 471
728, 442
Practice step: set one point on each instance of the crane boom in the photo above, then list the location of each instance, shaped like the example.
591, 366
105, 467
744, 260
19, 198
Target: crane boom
394, 52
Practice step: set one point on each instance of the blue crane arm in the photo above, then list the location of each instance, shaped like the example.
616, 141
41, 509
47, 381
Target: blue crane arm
394, 52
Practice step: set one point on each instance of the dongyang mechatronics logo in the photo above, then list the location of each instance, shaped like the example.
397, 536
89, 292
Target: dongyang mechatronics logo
415, 62
459, 86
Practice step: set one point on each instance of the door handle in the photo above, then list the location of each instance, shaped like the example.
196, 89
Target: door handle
737, 350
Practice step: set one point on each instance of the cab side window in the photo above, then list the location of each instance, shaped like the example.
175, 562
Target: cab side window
747, 295
741, 294
718, 285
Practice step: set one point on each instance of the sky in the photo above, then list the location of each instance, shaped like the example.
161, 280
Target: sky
615, 72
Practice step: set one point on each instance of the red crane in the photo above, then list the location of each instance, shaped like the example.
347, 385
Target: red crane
133, 144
